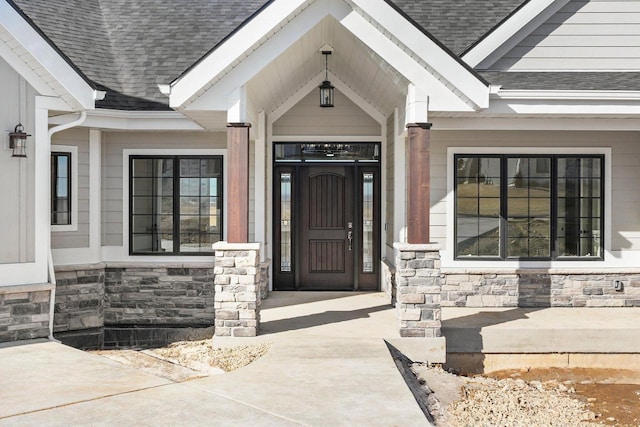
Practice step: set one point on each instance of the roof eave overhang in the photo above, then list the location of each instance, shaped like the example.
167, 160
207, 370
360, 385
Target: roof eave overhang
513, 29
41, 65
369, 20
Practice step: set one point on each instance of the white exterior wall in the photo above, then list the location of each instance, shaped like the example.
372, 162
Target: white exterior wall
113, 144
308, 119
17, 176
387, 252
76, 137
624, 211
597, 35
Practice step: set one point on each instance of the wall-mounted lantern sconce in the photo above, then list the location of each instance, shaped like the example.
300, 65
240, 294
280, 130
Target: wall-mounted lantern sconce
18, 141
326, 90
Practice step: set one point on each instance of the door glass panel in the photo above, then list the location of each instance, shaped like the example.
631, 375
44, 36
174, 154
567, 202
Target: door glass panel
367, 223
285, 222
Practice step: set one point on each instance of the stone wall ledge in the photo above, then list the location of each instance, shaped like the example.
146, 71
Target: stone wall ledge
423, 247
132, 264
35, 287
226, 246
595, 270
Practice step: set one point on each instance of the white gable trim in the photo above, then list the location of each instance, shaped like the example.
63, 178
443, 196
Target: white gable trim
34, 58
377, 24
511, 32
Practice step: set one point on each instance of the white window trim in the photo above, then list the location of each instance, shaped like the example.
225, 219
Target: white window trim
124, 255
73, 150
448, 259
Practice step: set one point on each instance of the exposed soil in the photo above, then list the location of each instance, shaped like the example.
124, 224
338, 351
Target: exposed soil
612, 394
185, 360
533, 397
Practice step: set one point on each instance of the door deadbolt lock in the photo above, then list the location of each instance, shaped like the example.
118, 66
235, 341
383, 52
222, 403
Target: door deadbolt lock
349, 225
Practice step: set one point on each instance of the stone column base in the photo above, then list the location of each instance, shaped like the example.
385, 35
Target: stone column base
237, 289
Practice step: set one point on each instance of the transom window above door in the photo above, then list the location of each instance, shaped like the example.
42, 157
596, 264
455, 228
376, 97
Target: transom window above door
327, 152
537, 207
175, 204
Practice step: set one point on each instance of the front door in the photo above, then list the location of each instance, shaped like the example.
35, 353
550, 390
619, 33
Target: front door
325, 239
326, 226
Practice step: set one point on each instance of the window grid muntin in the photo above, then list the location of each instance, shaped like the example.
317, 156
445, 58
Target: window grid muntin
174, 232
598, 164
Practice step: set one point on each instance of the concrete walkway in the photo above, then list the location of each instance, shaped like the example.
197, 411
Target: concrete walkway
328, 365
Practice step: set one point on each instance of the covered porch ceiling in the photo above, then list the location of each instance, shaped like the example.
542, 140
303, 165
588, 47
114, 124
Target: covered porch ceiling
354, 68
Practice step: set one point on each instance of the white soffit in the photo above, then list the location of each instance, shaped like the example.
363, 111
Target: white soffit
22, 47
382, 29
511, 32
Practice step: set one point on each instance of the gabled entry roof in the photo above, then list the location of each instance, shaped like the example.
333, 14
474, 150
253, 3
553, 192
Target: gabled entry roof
128, 47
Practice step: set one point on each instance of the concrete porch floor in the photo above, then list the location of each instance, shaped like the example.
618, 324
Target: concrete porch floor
489, 339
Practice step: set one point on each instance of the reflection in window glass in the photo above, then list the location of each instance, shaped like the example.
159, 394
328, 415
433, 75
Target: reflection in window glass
285, 222
60, 188
529, 207
175, 214
504, 206
478, 206
367, 223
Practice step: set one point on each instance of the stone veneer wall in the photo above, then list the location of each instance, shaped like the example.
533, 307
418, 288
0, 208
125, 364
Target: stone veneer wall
79, 298
418, 281
540, 289
24, 312
157, 294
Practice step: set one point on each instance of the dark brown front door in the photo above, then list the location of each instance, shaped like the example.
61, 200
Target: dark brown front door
326, 228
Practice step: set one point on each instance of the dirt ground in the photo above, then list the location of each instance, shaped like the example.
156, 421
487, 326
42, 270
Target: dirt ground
533, 397
612, 394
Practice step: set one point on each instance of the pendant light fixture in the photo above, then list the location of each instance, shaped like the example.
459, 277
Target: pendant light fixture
326, 90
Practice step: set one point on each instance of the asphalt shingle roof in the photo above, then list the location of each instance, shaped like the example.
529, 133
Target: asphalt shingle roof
564, 80
458, 24
128, 47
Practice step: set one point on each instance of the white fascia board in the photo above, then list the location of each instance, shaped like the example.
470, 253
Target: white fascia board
47, 57
536, 123
214, 97
513, 30
427, 50
259, 28
133, 120
593, 95
562, 107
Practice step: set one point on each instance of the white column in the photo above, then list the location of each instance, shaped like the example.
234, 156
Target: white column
42, 191
260, 177
399, 180
95, 194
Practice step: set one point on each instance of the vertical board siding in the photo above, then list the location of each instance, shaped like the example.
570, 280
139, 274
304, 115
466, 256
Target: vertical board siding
584, 35
17, 223
307, 118
625, 199
113, 144
78, 137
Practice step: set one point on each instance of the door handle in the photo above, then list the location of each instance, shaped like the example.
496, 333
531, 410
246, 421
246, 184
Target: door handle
350, 237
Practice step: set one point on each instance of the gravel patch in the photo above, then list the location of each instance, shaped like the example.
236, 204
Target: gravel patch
460, 401
204, 356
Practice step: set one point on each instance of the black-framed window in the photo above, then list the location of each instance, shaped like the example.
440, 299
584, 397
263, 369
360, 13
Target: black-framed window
531, 207
60, 188
175, 204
